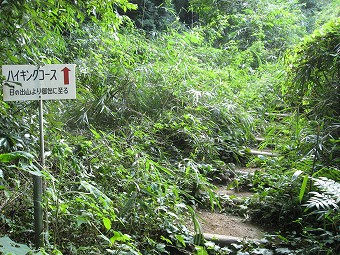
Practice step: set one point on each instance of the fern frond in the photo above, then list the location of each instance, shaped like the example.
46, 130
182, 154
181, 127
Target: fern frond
329, 187
327, 198
322, 201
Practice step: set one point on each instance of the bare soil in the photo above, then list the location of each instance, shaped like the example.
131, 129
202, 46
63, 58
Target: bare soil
228, 225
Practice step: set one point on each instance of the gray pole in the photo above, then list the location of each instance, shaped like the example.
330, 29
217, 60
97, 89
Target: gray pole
37, 185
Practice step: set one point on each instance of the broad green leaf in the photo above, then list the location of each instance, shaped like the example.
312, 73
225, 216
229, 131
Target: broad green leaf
8, 246
107, 223
9, 157
118, 236
95, 192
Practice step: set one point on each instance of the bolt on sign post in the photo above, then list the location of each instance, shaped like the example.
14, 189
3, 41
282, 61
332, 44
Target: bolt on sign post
49, 82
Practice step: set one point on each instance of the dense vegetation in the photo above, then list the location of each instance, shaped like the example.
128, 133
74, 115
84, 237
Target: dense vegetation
170, 97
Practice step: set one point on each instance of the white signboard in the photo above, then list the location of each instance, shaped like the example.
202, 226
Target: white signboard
28, 82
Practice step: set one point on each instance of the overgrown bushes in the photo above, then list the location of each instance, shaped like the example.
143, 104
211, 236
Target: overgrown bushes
158, 117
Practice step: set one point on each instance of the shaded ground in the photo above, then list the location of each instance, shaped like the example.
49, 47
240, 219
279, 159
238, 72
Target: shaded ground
228, 225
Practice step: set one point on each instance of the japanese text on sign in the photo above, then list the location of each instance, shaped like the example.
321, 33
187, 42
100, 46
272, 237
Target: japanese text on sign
25, 75
27, 82
38, 91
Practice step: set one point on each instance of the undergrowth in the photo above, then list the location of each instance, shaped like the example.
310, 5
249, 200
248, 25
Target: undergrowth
160, 117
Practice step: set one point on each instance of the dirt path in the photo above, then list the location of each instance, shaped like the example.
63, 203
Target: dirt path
228, 225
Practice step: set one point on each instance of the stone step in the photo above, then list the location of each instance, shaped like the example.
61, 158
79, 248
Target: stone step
263, 153
224, 240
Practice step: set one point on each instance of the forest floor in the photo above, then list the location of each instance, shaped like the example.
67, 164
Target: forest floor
228, 226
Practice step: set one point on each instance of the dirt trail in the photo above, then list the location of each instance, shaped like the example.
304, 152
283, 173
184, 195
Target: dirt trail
228, 225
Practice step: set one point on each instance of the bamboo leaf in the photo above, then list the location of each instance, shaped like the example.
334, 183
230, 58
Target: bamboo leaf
303, 187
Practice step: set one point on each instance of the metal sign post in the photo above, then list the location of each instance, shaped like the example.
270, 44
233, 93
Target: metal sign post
49, 82
37, 186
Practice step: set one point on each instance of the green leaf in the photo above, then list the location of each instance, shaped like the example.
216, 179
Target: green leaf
283, 238
147, 165
9, 157
8, 246
200, 250
303, 187
13, 58
107, 223
166, 240
96, 134
180, 239
106, 239
105, 200
81, 220
118, 236
32, 169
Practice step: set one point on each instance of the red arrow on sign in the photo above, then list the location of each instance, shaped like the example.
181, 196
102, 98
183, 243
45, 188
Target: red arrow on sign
66, 75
